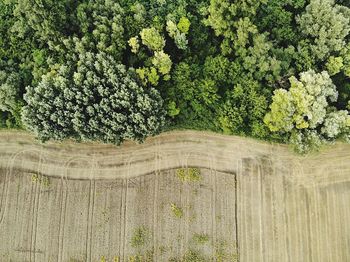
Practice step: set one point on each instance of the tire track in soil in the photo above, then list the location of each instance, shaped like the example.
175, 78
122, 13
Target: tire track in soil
8, 171
125, 208
155, 202
36, 210
213, 175
261, 209
238, 172
186, 208
123, 219
63, 209
32, 196
90, 216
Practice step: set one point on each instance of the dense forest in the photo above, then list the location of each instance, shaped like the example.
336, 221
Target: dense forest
111, 70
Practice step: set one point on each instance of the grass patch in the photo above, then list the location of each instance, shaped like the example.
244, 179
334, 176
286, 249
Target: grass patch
200, 239
190, 256
224, 253
177, 211
42, 180
140, 237
146, 257
189, 174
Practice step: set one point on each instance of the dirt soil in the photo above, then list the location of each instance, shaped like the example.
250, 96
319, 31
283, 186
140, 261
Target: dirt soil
251, 201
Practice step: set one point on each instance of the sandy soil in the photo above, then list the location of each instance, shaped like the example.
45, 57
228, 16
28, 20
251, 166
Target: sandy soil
254, 202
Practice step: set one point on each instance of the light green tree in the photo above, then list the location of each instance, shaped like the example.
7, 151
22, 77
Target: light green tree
152, 39
305, 109
326, 25
334, 65
162, 62
304, 105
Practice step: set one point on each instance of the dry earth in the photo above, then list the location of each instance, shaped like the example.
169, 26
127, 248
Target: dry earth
91, 202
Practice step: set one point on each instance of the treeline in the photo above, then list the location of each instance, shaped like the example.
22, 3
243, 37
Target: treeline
112, 70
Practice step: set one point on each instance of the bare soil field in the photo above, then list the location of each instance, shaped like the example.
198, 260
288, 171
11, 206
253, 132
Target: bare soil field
181, 196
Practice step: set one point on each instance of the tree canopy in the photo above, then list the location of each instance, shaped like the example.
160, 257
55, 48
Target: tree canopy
113, 70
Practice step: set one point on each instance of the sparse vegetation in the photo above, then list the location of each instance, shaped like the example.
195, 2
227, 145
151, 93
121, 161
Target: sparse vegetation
177, 211
41, 179
140, 237
190, 256
200, 238
225, 252
145, 257
189, 174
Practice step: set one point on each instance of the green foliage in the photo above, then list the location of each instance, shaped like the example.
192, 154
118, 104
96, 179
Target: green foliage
334, 65
43, 180
162, 62
140, 237
172, 109
193, 256
326, 25
201, 239
176, 210
244, 110
47, 19
179, 35
134, 44
104, 103
304, 105
10, 83
225, 252
184, 25
345, 54
196, 98
152, 39
305, 109
148, 75
224, 15
110, 70
278, 18
189, 174
100, 22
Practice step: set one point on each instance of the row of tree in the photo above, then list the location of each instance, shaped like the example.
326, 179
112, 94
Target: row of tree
113, 70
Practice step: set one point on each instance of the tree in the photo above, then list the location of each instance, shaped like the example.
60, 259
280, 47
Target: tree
152, 39
304, 105
223, 15
334, 65
337, 123
178, 32
305, 109
47, 113
192, 99
48, 20
244, 110
162, 62
278, 18
101, 22
10, 83
242, 39
326, 25
99, 101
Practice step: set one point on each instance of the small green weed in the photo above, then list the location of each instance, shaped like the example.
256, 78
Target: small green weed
43, 180
177, 211
223, 253
140, 237
200, 238
189, 174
